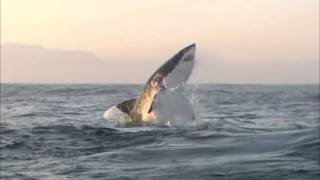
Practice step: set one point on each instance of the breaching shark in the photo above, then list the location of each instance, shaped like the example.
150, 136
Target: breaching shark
161, 99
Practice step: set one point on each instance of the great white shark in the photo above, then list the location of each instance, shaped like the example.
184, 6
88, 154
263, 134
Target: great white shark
160, 96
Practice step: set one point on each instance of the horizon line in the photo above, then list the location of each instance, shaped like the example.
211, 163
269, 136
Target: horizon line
109, 83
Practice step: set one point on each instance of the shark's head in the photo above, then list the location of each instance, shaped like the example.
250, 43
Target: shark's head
179, 67
188, 53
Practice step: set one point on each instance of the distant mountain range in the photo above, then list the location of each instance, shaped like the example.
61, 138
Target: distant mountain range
32, 63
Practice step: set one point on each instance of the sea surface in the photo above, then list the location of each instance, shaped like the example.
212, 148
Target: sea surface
241, 132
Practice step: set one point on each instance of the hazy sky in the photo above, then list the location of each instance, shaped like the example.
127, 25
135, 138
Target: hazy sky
238, 41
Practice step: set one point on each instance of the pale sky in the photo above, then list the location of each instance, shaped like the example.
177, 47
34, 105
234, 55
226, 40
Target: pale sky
238, 41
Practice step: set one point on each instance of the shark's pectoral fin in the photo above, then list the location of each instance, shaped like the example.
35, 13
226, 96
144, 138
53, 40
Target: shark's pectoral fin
126, 106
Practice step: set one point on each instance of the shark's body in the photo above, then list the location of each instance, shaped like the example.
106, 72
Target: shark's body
171, 76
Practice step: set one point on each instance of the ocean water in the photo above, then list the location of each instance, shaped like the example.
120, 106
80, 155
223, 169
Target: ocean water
240, 132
